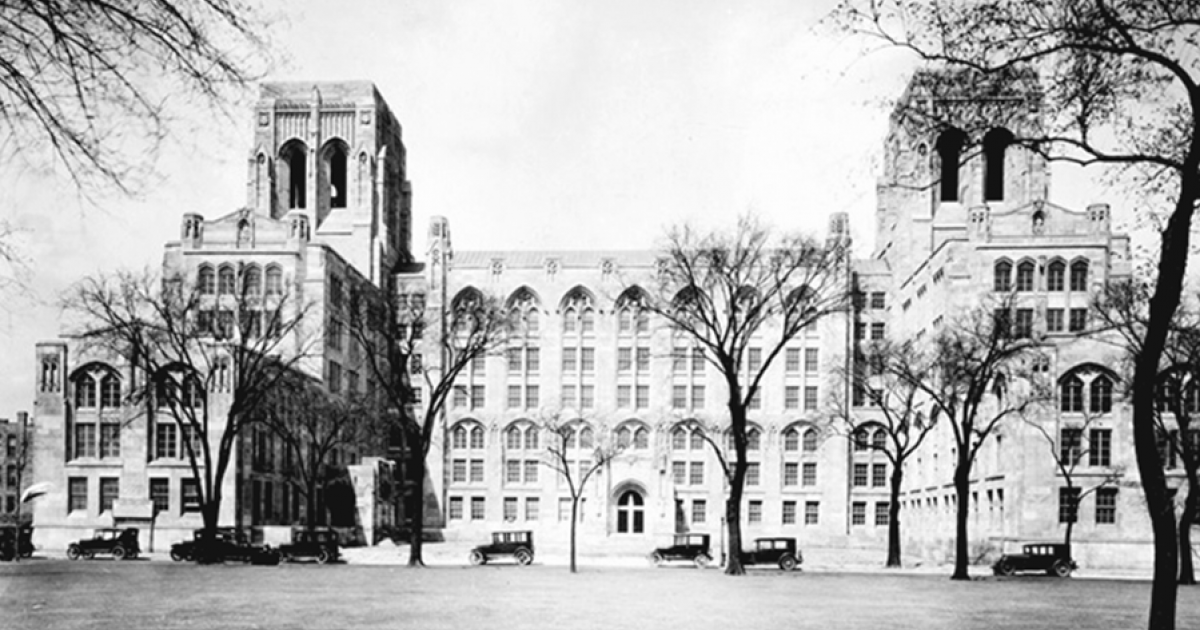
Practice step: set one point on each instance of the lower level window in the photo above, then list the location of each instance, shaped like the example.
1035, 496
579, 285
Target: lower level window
789, 512
1106, 506
812, 512
882, 514
858, 513
110, 489
190, 495
77, 494
478, 508
699, 511
160, 494
532, 506
755, 514
456, 509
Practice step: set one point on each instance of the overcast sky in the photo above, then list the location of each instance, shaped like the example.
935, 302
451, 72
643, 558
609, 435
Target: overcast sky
531, 125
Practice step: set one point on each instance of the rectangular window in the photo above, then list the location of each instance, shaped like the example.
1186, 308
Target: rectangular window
532, 397
478, 509
335, 377
1054, 320
882, 515
532, 360
877, 330
160, 494
459, 471
456, 509
810, 473
514, 359
1078, 319
477, 397
85, 440
643, 359
789, 512
1106, 506
697, 396
791, 474
77, 491
755, 512
587, 396
860, 475
1100, 451
460, 396
858, 513
510, 508
569, 396
696, 474
512, 471
811, 363
1071, 446
810, 397
164, 440
754, 361
110, 440
476, 471
679, 472
624, 359
752, 474
643, 396
624, 397
878, 475
1068, 504
531, 471
791, 397
877, 300
812, 512
569, 363
679, 360
514, 396
1023, 324
792, 360
189, 492
697, 360
532, 507
679, 397
699, 511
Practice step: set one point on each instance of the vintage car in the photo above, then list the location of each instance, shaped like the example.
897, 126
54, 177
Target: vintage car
1050, 558
320, 544
690, 547
8, 542
118, 543
778, 551
519, 545
228, 544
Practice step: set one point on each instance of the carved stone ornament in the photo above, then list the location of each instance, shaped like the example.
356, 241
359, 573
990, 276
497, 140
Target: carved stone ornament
497, 266
552, 266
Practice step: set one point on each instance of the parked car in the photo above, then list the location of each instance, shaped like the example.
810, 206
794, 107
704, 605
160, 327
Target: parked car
320, 544
690, 547
9, 545
1051, 558
228, 544
118, 543
519, 545
779, 551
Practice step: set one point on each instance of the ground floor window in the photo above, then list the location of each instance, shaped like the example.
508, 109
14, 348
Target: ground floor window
630, 513
812, 512
110, 489
1106, 506
1068, 504
789, 512
160, 494
478, 508
754, 515
190, 494
858, 513
456, 509
77, 494
510, 509
699, 511
532, 505
882, 515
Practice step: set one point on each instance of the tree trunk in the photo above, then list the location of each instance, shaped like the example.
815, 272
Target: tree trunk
206, 552
962, 484
574, 523
733, 522
893, 553
415, 498
310, 504
1187, 571
1154, 485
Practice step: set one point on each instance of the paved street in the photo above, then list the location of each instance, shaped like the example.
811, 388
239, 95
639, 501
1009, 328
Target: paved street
53, 594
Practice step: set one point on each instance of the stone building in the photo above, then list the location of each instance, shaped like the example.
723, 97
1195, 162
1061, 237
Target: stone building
326, 215
15, 443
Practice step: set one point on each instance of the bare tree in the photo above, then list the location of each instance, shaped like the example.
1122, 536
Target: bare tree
394, 338
1121, 86
314, 424
974, 374
96, 82
209, 361
742, 295
576, 453
896, 407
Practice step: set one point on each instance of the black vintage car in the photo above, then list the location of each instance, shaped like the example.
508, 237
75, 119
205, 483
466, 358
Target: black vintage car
118, 543
227, 544
690, 547
519, 545
1050, 558
320, 544
9, 545
778, 551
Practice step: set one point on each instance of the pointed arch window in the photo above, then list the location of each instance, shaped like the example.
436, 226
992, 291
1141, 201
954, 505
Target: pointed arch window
1025, 276
337, 176
810, 440
274, 280
85, 392
110, 391
1071, 396
206, 280
1056, 275
949, 149
253, 280
995, 145
1079, 275
1002, 277
1100, 394
226, 285
293, 158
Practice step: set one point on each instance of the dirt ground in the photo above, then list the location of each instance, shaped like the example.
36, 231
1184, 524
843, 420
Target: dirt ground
54, 594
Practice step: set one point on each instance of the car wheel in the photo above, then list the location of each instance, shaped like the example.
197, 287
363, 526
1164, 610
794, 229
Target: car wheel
1061, 569
1005, 568
118, 553
477, 558
787, 563
74, 553
323, 556
655, 558
524, 556
176, 556
702, 560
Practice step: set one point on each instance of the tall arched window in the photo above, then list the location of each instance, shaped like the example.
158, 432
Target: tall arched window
1079, 274
252, 278
477, 437
85, 391
949, 149
995, 144
1002, 278
810, 440
1025, 276
274, 280
206, 281
293, 161
753, 439
1100, 392
110, 391
1056, 274
226, 285
630, 513
1071, 396
337, 176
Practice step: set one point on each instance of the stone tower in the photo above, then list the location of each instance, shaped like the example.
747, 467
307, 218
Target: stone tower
333, 151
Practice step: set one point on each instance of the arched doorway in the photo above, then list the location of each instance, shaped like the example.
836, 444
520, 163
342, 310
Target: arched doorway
631, 513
